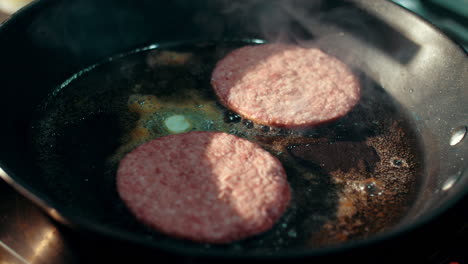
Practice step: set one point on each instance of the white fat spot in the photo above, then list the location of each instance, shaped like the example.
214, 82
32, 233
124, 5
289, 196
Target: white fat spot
177, 124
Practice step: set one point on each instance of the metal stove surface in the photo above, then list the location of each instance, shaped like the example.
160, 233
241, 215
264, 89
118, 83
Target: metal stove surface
29, 236
26, 234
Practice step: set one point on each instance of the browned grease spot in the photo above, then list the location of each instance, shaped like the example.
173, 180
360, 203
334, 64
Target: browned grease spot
370, 203
373, 193
340, 155
167, 58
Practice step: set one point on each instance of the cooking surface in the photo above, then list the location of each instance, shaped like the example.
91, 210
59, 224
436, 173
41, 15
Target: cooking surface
334, 202
27, 235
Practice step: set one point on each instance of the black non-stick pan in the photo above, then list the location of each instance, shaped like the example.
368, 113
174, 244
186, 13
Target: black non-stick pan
418, 78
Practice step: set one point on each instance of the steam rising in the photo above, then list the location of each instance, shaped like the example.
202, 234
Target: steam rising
343, 29
328, 25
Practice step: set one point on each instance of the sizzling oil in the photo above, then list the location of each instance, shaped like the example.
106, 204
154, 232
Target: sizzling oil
351, 179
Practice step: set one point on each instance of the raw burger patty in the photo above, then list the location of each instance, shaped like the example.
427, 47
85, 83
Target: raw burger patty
285, 85
204, 186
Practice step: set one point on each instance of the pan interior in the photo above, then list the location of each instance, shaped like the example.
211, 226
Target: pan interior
351, 179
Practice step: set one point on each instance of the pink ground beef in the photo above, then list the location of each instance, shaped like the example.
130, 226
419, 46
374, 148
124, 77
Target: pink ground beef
208, 187
285, 85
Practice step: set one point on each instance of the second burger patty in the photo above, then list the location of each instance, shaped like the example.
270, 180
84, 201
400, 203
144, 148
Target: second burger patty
285, 85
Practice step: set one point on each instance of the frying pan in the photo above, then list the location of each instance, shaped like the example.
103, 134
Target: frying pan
417, 65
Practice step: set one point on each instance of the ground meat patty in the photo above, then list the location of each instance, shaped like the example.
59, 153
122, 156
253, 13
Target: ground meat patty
204, 186
285, 85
